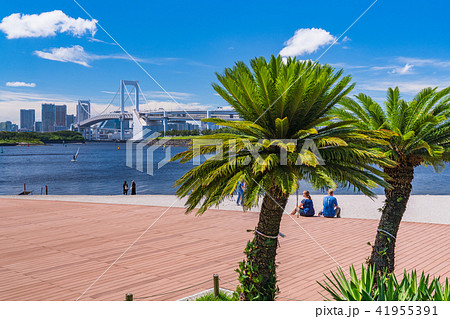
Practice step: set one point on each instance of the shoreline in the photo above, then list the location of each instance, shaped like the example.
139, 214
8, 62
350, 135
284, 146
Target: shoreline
169, 142
421, 208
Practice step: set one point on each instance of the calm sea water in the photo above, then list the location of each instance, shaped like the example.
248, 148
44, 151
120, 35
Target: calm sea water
101, 169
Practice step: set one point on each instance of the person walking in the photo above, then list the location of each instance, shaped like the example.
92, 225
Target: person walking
125, 188
133, 188
240, 191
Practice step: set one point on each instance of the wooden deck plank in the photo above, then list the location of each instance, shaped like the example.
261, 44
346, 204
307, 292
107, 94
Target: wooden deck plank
55, 250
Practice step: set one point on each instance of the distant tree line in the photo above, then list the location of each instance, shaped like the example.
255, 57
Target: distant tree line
39, 138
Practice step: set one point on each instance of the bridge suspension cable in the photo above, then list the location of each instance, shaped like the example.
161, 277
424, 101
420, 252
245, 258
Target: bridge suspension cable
140, 90
110, 103
88, 112
128, 95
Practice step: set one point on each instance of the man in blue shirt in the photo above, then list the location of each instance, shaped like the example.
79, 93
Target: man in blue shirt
330, 206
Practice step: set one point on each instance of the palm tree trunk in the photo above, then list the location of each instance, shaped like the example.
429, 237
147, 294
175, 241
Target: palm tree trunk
383, 252
260, 263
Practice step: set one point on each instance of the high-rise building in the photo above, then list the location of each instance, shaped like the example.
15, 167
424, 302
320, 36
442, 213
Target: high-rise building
48, 117
60, 117
5, 126
27, 118
53, 117
70, 119
38, 126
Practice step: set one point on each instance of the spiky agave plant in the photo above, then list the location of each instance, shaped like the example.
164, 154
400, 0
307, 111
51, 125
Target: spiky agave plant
370, 287
285, 137
419, 134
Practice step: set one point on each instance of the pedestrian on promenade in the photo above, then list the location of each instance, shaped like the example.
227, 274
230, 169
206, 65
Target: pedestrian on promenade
133, 188
240, 191
125, 188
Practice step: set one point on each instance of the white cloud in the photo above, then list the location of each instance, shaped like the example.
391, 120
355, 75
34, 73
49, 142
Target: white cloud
12, 101
377, 68
395, 69
163, 95
46, 24
407, 87
108, 92
21, 84
407, 69
92, 39
14, 96
76, 54
423, 62
159, 95
306, 41
347, 66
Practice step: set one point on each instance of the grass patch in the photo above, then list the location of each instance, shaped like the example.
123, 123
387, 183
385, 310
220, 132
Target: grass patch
15, 141
210, 297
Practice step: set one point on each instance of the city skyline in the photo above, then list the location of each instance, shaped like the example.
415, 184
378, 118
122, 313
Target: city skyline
48, 57
56, 119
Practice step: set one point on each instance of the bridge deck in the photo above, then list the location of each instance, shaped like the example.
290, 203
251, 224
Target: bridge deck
159, 116
55, 250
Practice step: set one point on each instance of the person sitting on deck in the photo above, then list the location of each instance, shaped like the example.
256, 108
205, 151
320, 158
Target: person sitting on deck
306, 207
330, 206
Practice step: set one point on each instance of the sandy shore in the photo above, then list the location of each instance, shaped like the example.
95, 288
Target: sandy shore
421, 208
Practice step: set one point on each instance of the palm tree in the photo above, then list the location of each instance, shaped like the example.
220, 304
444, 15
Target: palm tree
283, 105
419, 135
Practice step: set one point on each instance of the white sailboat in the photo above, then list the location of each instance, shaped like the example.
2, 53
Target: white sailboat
76, 156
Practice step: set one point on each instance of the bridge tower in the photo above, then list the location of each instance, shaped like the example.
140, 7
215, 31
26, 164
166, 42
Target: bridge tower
83, 113
123, 85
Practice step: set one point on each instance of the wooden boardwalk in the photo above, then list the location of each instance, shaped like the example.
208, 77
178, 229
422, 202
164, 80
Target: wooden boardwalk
55, 250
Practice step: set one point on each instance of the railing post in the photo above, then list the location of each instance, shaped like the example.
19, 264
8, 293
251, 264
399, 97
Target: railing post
46, 190
129, 297
216, 285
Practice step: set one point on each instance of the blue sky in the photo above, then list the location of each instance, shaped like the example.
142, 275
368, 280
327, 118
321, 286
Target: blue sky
63, 56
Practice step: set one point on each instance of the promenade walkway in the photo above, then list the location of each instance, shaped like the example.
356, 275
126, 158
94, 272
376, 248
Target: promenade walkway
53, 250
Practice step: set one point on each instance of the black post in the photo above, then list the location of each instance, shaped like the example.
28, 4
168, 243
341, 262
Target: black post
46, 190
216, 285
129, 297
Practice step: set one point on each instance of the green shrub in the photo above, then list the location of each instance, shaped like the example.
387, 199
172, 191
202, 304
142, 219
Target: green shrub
210, 297
384, 288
